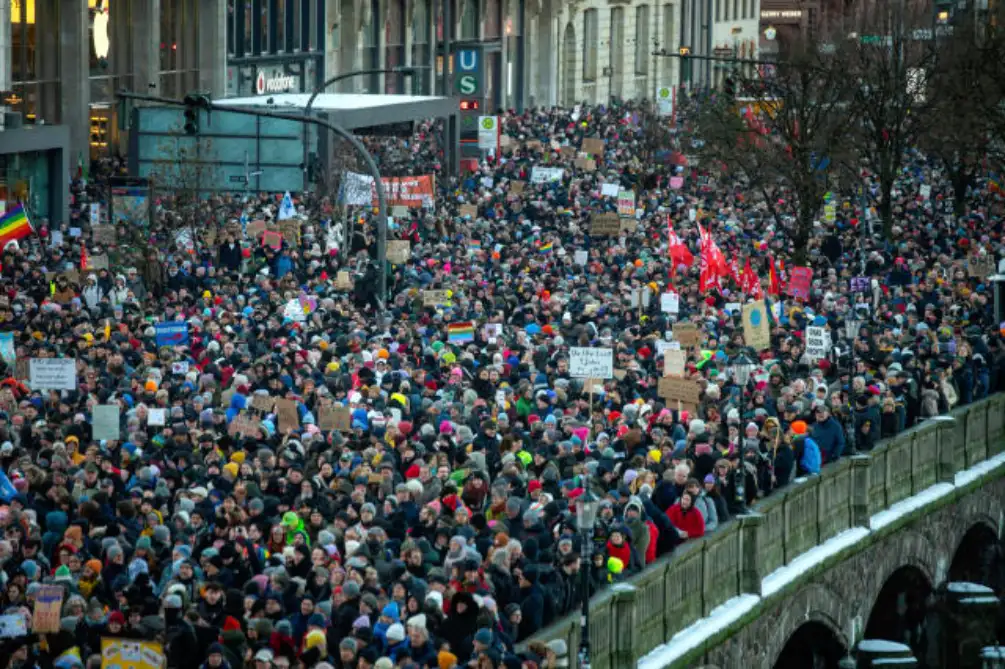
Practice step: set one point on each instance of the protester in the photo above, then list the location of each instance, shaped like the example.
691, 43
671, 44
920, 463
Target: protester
291, 482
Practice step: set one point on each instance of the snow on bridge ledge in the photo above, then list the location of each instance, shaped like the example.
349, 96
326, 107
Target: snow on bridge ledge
721, 617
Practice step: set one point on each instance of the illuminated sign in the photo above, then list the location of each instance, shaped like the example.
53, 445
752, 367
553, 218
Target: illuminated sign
280, 83
781, 13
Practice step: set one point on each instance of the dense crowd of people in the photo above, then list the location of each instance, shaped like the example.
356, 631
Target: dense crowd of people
299, 482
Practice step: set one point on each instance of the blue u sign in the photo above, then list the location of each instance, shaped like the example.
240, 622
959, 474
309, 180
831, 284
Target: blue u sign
467, 60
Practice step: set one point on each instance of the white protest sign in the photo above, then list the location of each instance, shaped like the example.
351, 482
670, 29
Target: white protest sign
670, 303
540, 175
105, 421
52, 374
591, 363
674, 362
610, 190
582, 257
179, 368
157, 417
817, 342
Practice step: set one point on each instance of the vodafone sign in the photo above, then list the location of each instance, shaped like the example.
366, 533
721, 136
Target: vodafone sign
277, 83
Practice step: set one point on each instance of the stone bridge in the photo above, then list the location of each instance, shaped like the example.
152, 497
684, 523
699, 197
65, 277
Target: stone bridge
822, 562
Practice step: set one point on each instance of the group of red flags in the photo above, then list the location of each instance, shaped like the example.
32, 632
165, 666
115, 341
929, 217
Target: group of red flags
715, 269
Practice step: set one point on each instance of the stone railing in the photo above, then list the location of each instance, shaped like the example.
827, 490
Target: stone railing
685, 586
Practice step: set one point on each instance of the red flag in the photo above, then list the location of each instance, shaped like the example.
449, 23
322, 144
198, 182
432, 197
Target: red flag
750, 283
713, 263
83, 257
774, 285
679, 252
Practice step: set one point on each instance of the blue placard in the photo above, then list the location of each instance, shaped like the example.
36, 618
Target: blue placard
172, 333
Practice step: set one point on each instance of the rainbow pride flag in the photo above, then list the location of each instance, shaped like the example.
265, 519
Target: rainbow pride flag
14, 225
545, 249
461, 333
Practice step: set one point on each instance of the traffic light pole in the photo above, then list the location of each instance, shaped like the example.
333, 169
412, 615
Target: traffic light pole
204, 102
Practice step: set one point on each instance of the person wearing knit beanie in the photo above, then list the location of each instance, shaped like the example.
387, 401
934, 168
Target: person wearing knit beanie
315, 638
446, 660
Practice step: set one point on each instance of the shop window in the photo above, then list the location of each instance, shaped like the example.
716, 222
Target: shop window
297, 36
591, 39
642, 39
280, 24
371, 46
249, 19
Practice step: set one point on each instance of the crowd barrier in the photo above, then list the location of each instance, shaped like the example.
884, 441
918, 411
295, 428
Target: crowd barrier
626, 623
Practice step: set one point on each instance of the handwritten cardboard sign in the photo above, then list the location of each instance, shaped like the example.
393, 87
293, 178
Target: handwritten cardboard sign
245, 426
676, 389
262, 402
289, 418
290, 229
593, 146
686, 333
568, 152
605, 225
516, 187
469, 210
105, 234
586, 164
434, 298
398, 251
46, 614
337, 418
272, 239
343, 281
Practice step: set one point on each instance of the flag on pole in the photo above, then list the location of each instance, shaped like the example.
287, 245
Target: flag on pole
774, 285
750, 283
14, 225
679, 252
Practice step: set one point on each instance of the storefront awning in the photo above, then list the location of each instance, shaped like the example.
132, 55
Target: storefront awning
354, 110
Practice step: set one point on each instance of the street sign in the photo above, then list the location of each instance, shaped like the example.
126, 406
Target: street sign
467, 84
488, 133
238, 179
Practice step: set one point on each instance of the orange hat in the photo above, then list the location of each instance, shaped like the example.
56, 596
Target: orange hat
383, 354
150, 386
94, 565
638, 263
798, 427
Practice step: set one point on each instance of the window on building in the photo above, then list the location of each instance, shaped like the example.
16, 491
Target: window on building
231, 26
616, 51
263, 24
591, 39
469, 19
491, 26
725, 10
248, 21
669, 28
394, 39
280, 6
371, 45
736, 9
642, 39
296, 40
420, 46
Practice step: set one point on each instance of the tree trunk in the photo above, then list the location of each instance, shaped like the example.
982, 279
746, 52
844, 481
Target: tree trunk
886, 203
961, 178
801, 238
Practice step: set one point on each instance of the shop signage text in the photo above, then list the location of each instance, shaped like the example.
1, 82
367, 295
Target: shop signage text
279, 83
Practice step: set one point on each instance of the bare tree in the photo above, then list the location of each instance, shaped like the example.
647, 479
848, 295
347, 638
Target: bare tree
889, 56
962, 109
785, 136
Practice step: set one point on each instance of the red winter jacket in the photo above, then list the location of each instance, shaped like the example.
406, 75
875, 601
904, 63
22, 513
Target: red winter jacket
654, 535
691, 521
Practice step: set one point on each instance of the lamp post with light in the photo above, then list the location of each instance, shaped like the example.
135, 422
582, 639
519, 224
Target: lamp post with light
586, 517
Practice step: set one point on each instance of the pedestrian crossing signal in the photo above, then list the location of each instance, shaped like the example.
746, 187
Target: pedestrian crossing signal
469, 105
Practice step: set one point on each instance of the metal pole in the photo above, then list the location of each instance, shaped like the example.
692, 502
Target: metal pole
585, 565
404, 71
447, 33
852, 437
371, 165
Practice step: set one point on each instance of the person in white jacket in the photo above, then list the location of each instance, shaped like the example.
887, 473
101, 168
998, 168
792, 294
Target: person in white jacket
92, 292
119, 292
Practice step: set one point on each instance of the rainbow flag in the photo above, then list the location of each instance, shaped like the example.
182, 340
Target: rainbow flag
14, 225
994, 185
461, 333
545, 249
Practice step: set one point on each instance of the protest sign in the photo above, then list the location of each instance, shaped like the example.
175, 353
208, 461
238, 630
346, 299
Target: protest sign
585, 164
53, 374
435, 298
273, 239
290, 229
105, 421
47, 612
859, 284
674, 362
287, 415
593, 146
800, 281
343, 281
516, 187
568, 152
156, 417
980, 267
605, 225
104, 234
398, 251
179, 368
8, 352
171, 333
755, 326
626, 203
610, 190
589, 362
245, 426
13, 625
817, 342
685, 391
670, 303
540, 175
262, 402
337, 418
687, 334
469, 211
132, 654
581, 257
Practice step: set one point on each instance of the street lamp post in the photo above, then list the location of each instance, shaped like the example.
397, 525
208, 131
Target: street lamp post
586, 517
404, 71
852, 326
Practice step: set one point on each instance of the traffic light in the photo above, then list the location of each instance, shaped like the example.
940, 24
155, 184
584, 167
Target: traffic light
193, 103
469, 105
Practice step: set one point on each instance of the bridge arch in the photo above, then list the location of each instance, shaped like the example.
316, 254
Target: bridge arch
814, 604
813, 645
899, 609
972, 559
